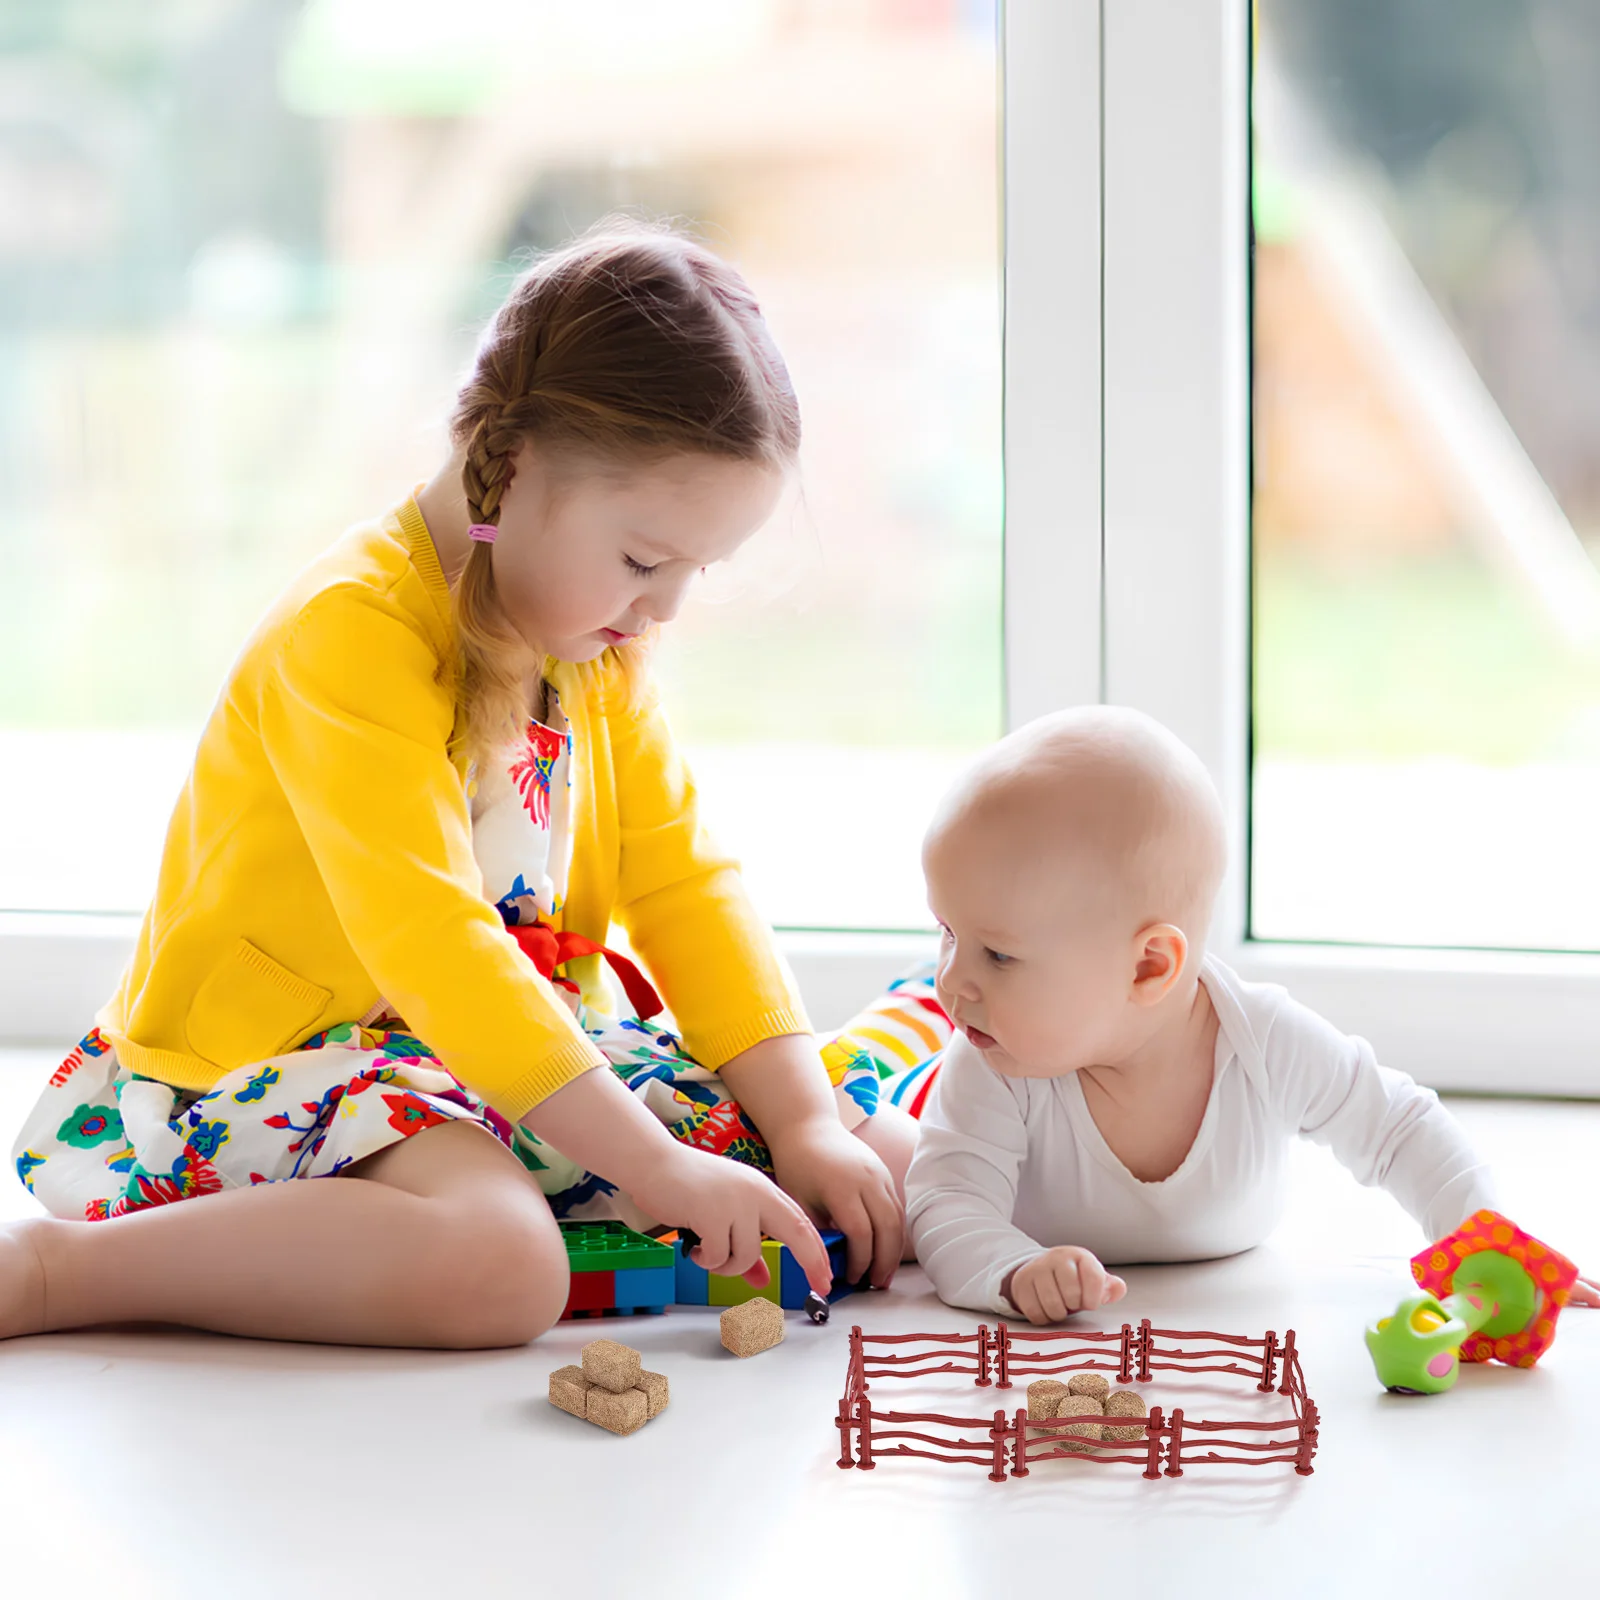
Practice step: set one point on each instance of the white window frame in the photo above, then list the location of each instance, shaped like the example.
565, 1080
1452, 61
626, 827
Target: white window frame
1175, 98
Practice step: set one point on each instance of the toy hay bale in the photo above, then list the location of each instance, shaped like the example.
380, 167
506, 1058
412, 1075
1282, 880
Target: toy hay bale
611, 1365
755, 1326
1044, 1395
1075, 1439
569, 1389
620, 1413
1092, 1384
654, 1385
1125, 1403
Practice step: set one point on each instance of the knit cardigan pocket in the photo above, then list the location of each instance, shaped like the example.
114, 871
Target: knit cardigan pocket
250, 1007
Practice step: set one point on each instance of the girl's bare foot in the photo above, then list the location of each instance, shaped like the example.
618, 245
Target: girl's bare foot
21, 1282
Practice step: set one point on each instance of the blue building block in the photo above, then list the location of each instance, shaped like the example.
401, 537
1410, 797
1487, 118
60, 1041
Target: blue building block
644, 1288
692, 1285
691, 1282
794, 1288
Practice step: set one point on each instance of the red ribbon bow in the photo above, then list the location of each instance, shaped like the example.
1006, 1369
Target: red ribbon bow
547, 949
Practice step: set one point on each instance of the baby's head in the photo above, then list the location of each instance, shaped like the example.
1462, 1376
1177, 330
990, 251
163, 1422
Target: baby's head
1073, 869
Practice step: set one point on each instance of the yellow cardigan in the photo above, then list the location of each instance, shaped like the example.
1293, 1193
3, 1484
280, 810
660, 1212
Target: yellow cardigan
320, 857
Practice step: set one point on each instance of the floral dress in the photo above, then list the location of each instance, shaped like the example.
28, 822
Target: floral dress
102, 1141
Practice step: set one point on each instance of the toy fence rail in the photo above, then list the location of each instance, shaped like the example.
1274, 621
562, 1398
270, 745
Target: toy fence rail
1164, 1445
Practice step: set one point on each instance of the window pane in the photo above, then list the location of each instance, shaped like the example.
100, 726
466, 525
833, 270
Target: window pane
1427, 473
245, 251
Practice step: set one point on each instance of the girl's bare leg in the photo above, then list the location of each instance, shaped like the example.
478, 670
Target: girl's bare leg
892, 1137
440, 1241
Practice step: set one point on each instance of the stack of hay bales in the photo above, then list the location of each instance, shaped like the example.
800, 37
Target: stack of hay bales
1090, 1396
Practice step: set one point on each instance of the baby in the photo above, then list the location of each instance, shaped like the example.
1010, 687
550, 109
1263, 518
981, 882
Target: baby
1112, 1093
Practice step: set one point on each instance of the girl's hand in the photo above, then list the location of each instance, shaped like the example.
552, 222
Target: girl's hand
839, 1180
731, 1207
1585, 1292
1058, 1282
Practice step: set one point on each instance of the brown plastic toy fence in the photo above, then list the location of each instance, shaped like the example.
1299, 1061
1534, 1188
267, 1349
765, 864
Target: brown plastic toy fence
1171, 1442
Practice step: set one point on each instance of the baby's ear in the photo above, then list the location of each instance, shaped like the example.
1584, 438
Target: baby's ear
1161, 959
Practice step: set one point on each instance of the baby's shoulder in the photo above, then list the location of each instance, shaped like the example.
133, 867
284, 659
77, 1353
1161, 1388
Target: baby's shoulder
1274, 1035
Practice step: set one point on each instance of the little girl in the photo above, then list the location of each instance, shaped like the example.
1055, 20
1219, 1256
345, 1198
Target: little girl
435, 775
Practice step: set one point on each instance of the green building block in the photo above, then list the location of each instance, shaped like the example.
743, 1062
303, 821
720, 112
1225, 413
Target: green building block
722, 1291
611, 1247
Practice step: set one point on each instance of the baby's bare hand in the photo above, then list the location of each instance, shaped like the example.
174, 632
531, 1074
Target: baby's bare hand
1055, 1284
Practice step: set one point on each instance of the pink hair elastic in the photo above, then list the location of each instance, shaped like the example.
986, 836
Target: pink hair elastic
483, 532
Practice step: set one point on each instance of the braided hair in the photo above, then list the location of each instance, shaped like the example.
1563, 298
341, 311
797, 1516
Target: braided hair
634, 343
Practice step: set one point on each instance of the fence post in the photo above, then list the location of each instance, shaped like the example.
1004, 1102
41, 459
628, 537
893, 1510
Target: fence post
1003, 1357
864, 1435
1144, 1350
845, 1458
1019, 1445
984, 1379
1152, 1466
1175, 1444
1287, 1386
1308, 1440
1269, 1359
997, 1436
1125, 1370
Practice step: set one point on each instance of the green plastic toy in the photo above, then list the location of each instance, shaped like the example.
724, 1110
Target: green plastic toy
1490, 1292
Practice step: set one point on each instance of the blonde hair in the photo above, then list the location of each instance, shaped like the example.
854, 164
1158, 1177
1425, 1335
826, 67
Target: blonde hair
631, 344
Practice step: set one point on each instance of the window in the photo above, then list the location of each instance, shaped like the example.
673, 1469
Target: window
1427, 474
245, 251
1177, 426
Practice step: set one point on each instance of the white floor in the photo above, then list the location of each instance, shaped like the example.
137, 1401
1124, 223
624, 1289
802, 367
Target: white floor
175, 1465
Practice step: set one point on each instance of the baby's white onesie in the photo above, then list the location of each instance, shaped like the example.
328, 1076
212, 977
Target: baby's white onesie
1008, 1167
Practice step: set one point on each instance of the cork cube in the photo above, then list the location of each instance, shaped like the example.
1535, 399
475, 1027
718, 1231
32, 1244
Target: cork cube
1075, 1439
569, 1389
1044, 1395
755, 1326
619, 1413
611, 1365
1125, 1403
1089, 1383
654, 1387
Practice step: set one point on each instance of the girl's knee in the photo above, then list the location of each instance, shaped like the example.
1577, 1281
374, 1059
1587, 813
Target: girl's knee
501, 1280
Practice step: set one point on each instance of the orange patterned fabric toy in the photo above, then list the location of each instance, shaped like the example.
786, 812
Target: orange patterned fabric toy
1552, 1274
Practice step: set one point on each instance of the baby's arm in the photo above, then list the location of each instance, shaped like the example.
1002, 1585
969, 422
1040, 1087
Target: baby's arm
962, 1185
1381, 1124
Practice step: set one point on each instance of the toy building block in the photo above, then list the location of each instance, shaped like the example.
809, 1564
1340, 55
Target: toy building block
610, 1389
750, 1328
615, 1271
788, 1286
